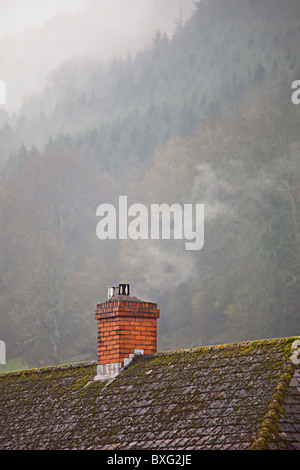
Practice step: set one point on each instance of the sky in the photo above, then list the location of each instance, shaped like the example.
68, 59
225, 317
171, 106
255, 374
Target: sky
17, 15
38, 36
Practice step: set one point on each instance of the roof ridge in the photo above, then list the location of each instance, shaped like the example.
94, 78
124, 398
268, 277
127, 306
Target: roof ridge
217, 347
228, 346
39, 370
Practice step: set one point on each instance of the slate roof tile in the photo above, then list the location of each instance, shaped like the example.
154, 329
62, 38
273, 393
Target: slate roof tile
237, 396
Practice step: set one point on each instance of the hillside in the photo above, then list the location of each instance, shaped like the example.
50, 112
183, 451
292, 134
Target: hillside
203, 117
215, 61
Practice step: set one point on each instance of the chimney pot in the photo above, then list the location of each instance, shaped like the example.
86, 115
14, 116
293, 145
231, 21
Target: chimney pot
123, 289
111, 291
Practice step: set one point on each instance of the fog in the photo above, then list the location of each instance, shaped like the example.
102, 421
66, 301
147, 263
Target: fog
37, 36
18, 15
198, 114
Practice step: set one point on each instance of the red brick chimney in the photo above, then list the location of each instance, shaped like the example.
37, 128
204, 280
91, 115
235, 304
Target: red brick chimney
126, 326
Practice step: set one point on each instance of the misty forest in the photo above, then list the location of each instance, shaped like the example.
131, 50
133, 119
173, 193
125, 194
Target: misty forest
203, 115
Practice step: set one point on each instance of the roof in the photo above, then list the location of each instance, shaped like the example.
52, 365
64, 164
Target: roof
236, 396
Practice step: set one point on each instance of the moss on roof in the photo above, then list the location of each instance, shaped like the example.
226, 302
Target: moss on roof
215, 397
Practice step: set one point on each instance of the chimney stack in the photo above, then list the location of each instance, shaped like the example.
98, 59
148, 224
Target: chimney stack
126, 326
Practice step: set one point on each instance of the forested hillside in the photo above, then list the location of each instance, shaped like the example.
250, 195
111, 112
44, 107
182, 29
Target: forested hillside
203, 117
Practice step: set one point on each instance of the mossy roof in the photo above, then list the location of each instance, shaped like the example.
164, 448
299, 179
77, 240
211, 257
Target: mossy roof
236, 396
